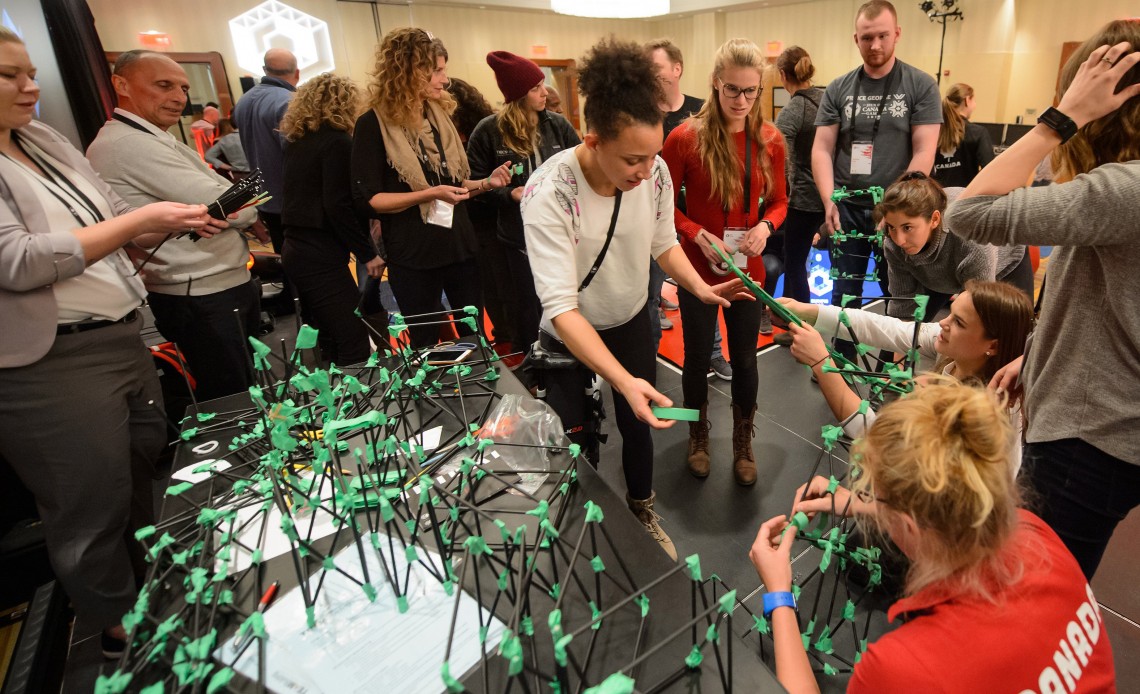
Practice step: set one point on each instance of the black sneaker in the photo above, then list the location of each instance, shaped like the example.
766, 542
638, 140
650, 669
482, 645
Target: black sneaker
113, 648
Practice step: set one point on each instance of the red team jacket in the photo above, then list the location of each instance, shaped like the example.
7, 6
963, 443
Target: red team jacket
1045, 635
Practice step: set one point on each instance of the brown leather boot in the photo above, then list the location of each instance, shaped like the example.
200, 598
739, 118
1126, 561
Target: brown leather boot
643, 509
744, 462
699, 444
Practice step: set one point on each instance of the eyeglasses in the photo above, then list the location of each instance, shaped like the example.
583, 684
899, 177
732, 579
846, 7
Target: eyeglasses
869, 498
732, 91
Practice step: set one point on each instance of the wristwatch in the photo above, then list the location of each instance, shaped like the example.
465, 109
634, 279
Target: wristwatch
779, 599
1058, 121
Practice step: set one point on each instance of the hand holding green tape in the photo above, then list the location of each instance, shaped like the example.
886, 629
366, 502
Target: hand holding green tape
680, 414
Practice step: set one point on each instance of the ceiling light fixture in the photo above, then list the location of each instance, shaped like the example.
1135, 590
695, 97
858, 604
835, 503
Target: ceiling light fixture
626, 9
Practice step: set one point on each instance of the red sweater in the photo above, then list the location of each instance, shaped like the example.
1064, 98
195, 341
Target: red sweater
1045, 633
703, 212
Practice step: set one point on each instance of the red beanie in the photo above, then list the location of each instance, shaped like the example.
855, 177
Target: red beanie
515, 75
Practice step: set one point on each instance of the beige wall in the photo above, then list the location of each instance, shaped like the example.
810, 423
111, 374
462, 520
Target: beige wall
1009, 50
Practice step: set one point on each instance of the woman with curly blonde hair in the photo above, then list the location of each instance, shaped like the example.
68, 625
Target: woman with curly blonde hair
321, 226
409, 171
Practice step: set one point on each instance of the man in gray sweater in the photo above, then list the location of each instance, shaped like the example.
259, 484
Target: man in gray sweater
195, 285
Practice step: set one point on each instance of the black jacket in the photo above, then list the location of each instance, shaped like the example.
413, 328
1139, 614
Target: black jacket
318, 191
959, 167
486, 152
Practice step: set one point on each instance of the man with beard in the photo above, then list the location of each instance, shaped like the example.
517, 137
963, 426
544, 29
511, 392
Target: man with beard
873, 124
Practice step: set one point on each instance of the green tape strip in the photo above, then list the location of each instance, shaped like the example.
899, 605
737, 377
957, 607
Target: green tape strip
680, 414
693, 562
616, 683
453, 685
777, 308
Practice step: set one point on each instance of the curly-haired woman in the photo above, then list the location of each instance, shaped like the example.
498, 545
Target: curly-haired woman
409, 170
593, 215
320, 224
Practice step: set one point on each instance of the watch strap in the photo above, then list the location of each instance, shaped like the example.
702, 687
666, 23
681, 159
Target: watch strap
778, 599
1059, 122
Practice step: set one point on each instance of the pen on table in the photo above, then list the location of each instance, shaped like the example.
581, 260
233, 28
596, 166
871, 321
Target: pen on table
262, 605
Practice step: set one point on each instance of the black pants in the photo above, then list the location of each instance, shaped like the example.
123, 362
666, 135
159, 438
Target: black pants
742, 324
495, 280
418, 291
317, 265
212, 331
1082, 493
272, 222
528, 308
82, 428
565, 393
854, 257
799, 228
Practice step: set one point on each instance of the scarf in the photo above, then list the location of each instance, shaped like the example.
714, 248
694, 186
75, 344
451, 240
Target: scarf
404, 147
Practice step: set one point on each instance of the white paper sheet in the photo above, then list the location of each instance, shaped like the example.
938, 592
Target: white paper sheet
362, 646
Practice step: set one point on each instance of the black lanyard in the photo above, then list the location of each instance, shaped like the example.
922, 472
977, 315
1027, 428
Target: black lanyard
609, 237
888, 84
747, 180
137, 126
425, 163
75, 196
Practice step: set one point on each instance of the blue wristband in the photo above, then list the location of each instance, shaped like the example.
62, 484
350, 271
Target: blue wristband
780, 599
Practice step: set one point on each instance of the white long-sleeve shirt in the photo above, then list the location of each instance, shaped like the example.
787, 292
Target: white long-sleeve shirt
895, 335
565, 223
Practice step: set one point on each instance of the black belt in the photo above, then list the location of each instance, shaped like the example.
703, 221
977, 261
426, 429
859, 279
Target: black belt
84, 326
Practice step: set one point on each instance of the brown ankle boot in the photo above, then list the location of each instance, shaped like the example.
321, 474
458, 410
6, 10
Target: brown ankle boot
744, 462
643, 509
699, 444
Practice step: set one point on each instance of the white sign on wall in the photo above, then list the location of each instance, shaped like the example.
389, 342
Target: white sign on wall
274, 24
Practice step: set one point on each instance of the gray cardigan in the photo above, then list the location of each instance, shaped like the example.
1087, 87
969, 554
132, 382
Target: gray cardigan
33, 256
1082, 372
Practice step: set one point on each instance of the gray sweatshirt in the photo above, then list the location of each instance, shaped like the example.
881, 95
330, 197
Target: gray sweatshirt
1082, 372
145, 167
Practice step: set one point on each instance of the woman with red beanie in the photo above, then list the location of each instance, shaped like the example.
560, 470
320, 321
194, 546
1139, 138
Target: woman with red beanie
731, 164
526, 133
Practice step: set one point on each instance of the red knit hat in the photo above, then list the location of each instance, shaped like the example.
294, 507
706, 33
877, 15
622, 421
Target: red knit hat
515, 75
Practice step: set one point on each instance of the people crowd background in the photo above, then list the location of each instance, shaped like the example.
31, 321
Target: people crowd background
1000, 478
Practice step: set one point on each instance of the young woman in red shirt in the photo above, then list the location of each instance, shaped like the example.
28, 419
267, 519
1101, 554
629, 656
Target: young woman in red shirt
731, 163
993, 600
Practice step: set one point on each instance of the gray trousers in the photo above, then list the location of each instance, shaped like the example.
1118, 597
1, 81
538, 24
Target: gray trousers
78, 428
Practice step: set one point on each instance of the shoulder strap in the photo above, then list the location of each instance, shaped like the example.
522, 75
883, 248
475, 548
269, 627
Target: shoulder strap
606, 247
803, 93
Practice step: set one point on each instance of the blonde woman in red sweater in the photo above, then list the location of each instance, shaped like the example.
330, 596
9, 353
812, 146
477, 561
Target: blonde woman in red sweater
731, 163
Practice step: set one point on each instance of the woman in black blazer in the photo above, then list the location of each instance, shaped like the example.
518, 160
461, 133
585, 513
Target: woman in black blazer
321, 228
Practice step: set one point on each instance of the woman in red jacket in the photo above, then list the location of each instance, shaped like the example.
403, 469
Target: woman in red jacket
731, 164
993, 601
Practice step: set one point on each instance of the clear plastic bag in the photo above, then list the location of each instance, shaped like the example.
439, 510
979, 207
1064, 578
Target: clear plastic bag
524, 429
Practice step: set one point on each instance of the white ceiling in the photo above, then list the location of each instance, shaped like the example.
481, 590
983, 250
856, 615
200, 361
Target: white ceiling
679, 8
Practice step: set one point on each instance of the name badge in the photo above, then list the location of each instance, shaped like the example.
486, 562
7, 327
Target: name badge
733, 237
861, 153
441, 213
